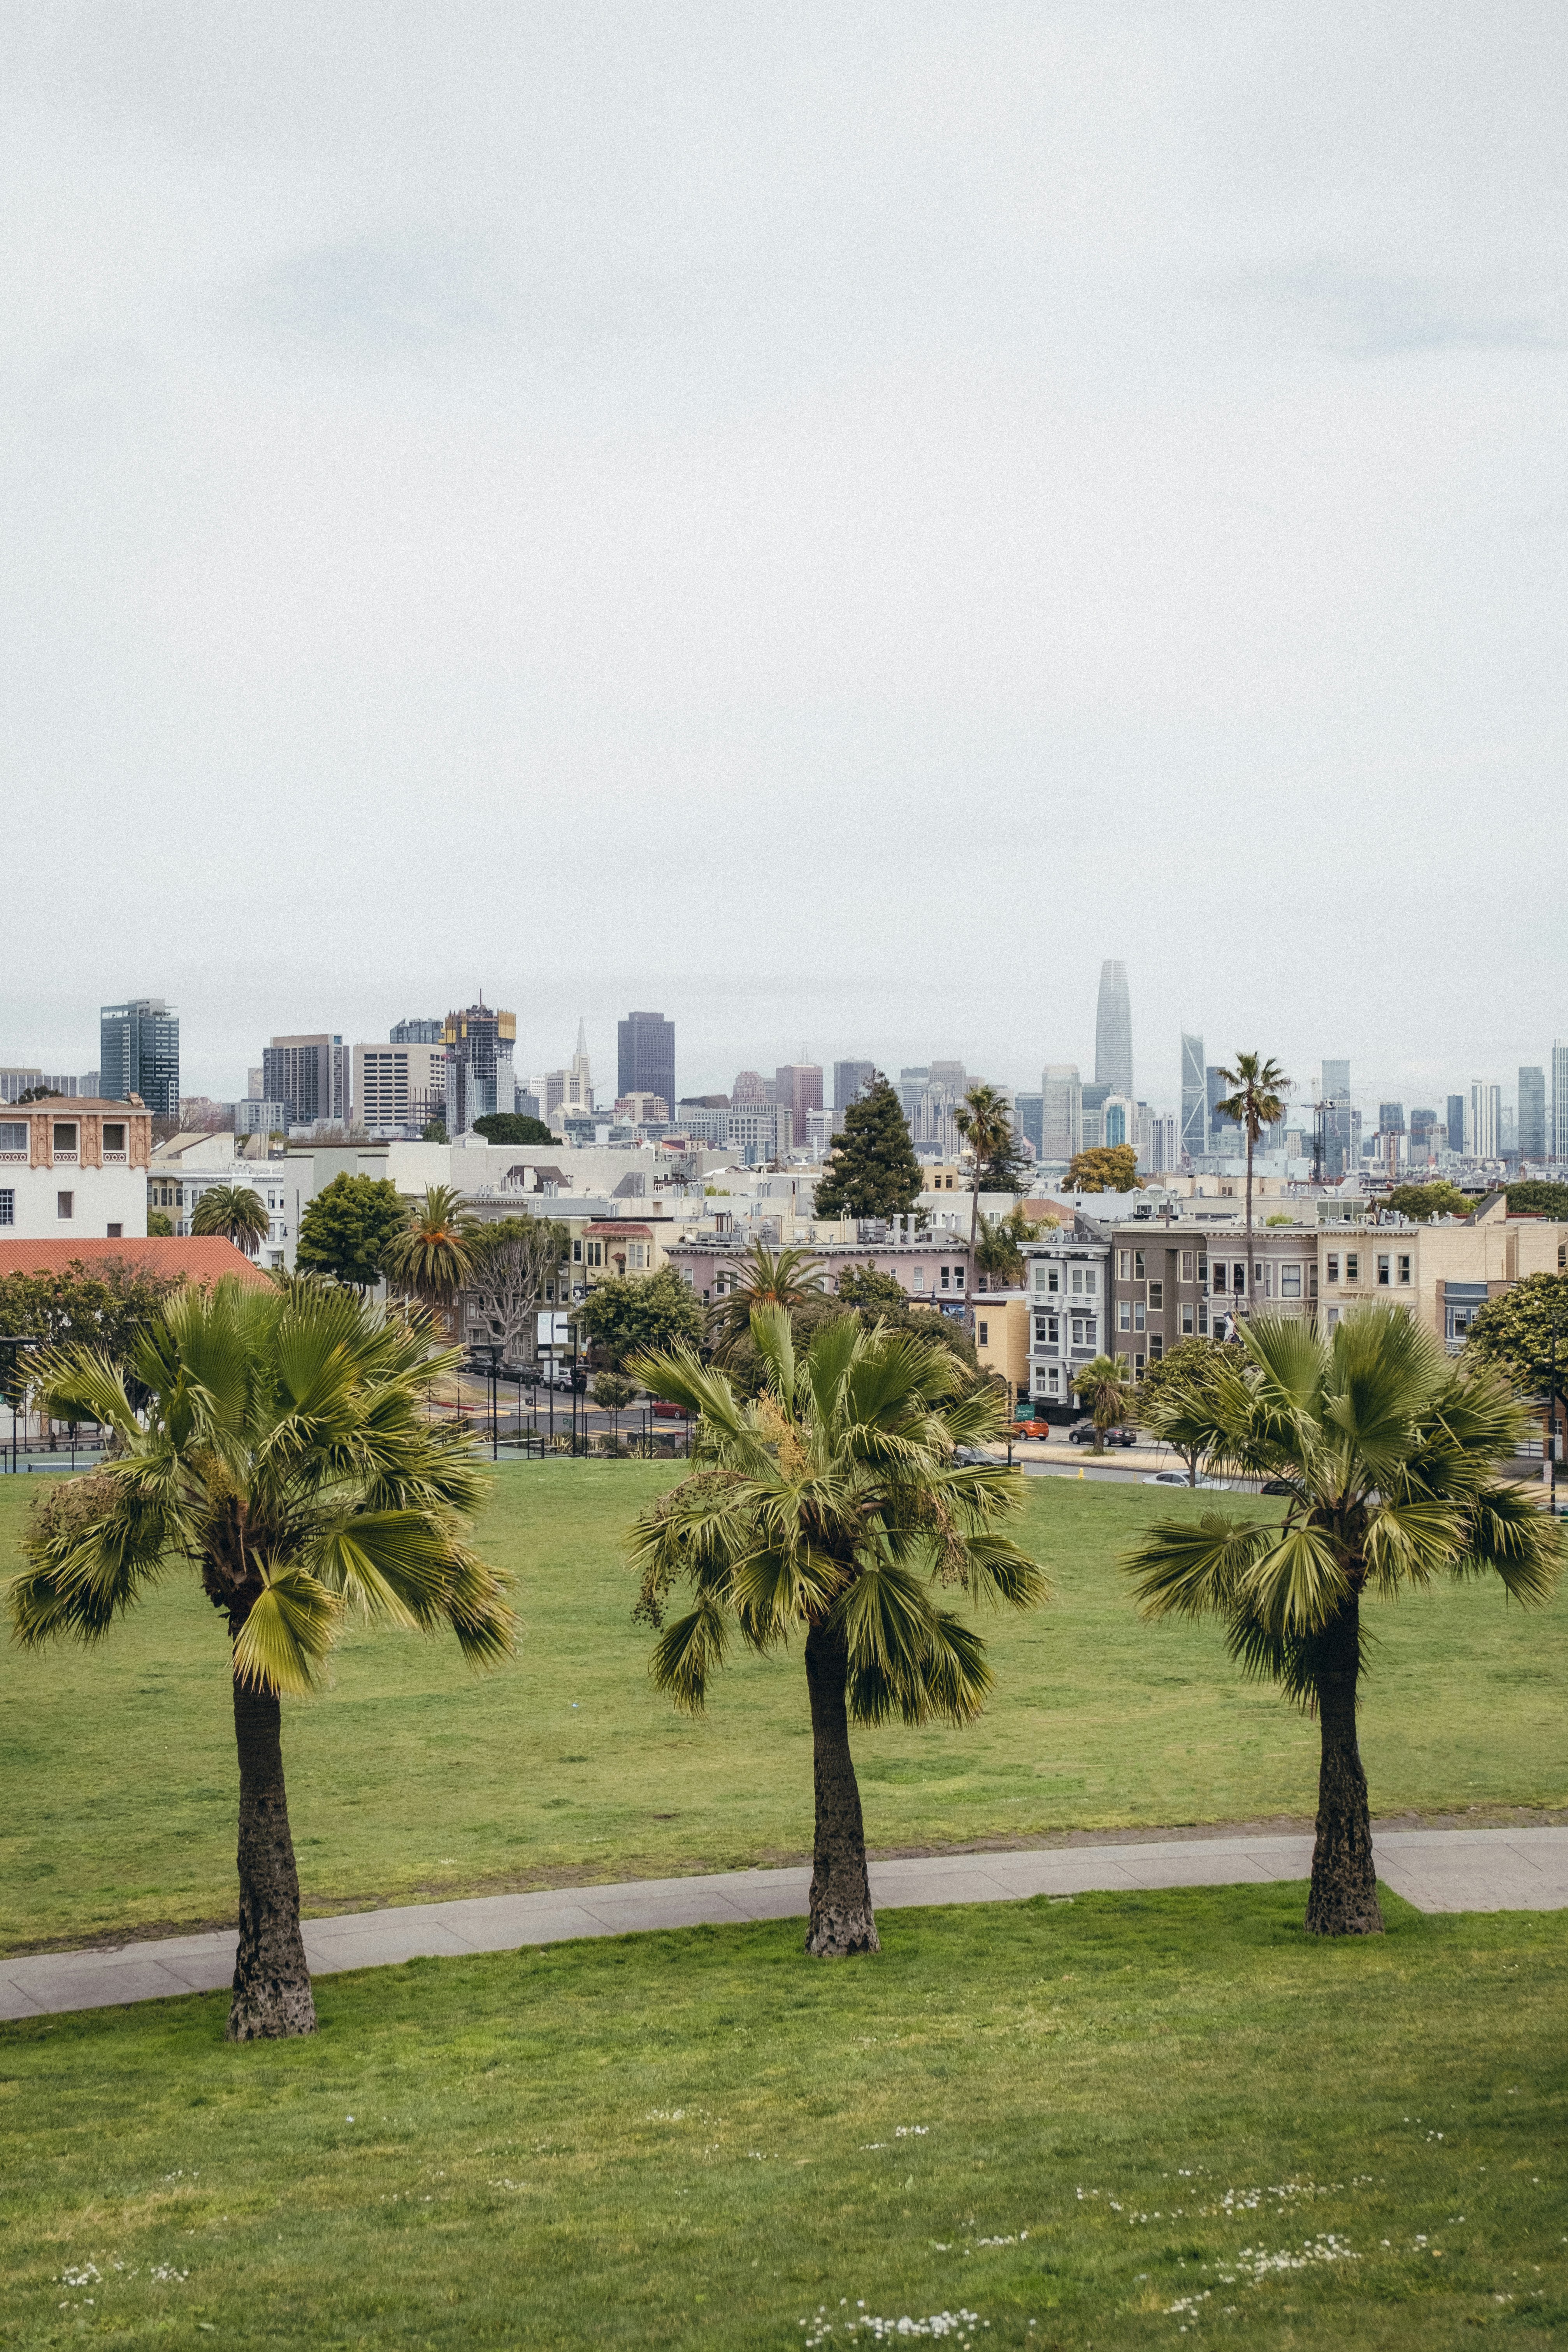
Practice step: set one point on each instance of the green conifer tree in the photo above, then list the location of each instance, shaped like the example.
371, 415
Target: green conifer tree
873, 1171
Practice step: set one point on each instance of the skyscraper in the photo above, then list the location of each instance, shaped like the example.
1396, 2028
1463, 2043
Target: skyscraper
1194, 1098
139, 1054
1224, 1133
480, 1043
1113, 1031
1061, 1111
646, 1055
1559, 1099
798, 1086
311, 1076
1391, 1118
1336, 1082
1531, 1113
1456, 1122
417, 1033
1483, 1136
851, 1081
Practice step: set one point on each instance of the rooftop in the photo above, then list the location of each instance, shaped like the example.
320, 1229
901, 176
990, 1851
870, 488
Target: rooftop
201, 1258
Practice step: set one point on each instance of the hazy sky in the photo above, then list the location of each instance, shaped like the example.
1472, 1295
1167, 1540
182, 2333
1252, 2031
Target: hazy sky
825, 521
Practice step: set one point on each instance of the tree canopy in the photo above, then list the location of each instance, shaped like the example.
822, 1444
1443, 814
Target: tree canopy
103, 1310
1104, 1168
512, 1127
873, 1171
633, 1312
517, 1265
1513, 1333
237, 1211
431, 1257
766, 1277
998, 1252
1424, 1201
1539, 1198
348, 1229
1174, 1401
863, 1285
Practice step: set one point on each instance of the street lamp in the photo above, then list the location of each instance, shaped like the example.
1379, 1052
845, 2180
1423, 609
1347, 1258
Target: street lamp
495, 1398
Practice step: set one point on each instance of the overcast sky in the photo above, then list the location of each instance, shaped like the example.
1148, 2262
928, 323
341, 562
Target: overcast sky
826, 523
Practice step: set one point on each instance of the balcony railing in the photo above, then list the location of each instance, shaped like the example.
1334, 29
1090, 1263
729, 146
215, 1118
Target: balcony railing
67, 1159
116, 1158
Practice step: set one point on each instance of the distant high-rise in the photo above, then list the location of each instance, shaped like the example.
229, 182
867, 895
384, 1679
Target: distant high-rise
1391, 1118
646, 1055
311, 1076
1427, 1130
748, 1088
797, 1087
1194, 1098
851, 1081
1456, 1122
139, 1054
1114, 1030
1224, 1133
1061, 1111
480, 1043
1336, 1082
417, 1033
1028, 1113
1531, 1113
1483, 1139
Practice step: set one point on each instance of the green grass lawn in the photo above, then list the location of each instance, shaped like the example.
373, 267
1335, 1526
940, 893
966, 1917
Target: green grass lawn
1097, 2123
411, 1779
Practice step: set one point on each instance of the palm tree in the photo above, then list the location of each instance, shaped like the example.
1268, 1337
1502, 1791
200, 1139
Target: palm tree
433, 1257
996, 1253
237, 1210
281, 1453
828, 1507
985, 1123
1103, 1386
1257, 1100
1392, 1452
786, 1280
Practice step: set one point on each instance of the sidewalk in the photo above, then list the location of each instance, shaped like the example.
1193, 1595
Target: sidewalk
1436, 1870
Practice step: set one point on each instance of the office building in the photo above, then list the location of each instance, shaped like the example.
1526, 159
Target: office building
1559, 1133
399, 1089
1164, 1145
253, 1116
311, 1076
1093, 1098
139, 1054
797, 1087
1483, 1124
1391, 1118
759, 1132
1028, 1112
1336, 1082
646, 1055
851, 1081
1061, 1111
88, 1084
1426, 1132
1113, 1031
1225, 1135
1194, 1130
418, 1032
748, 1088
479, 1042
18, 1078
950, 1075
1531, 1113
1454, 1123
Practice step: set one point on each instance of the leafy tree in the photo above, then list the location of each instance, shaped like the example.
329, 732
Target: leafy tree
237, 1211
614, 1391
1513, 1333
766, 1279
434, 1132
281, 1453
431, 1257
1424, 1201
1393, 1452
828, 1507
1106, 1394
1257, 1100
512, 1127
873, 1171
1537, 1199
864, 1287
103, 1310
632, 1312
1105, 1168
160, 1225
518, 1264
1175, 1400
997, 1253
348, 1229
40, 1094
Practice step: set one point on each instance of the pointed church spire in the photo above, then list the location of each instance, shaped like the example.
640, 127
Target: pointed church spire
582, 1037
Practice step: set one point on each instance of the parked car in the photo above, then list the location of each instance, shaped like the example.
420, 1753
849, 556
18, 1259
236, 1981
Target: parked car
975, 1457
1031, 1429
664, 1411
1082, 1433
1165, 1478
1280, 1486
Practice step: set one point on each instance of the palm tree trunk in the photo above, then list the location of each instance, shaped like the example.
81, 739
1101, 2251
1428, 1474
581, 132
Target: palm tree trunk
1343, 1897
271, 1981
842, 1921
1251, 1261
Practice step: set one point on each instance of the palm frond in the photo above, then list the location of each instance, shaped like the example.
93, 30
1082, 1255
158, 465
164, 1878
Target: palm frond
688, 1651
284, 1641
1194, 1567
92, 1545
1507, 1534
1299, 1582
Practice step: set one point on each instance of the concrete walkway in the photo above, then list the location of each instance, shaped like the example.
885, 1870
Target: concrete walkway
1437, 1870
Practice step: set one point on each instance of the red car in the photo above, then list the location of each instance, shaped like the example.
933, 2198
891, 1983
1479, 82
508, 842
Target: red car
664, 1411
1031, 1429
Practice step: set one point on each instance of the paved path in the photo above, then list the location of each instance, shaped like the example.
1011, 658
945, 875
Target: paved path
1437, 1870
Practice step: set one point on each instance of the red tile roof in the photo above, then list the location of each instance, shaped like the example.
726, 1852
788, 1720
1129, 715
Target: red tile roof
203, 1258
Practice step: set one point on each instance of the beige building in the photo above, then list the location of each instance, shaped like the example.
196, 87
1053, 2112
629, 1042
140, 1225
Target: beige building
399, 1089
1002, 1337
1442, 1272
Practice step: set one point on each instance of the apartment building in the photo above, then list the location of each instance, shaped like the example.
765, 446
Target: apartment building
932, 1270
1183, 1280
1442, 1273
311, 1076
399, 1087
75, 1169
1069, 1297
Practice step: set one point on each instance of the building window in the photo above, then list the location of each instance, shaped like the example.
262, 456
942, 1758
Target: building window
1203, 1268
1352, 1265
1188, 1321
65, 1204
1258, 1274
984, 1335
637, 1256
958, 1277
1137, 1367
1156, 1297
1218, 1275
920, 1277
946, 1278
1124, 1315
576, 1253
65, 1134
1238, 1280
1289, 1282
596, 1253
1054, 1279
1139, 1270
113, 1138
8, 1205
1187, 1266
1312, 1279
1053, 1379
1156, 1347
1404, 1269
14, 1139
1124, 1266
114, 1232
1331, 1271
1385, 1270
1091, 1281
1138, 1314
1203, 1318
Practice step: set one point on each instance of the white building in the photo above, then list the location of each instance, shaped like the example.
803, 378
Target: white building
74, 1169
1068, 1289
399, 1089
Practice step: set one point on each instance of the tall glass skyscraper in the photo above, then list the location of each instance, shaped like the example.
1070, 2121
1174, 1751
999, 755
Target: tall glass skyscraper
1531, 1114
139, 1054
1113, 1031
1194, 1098
645, 1059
